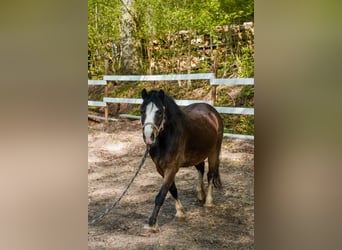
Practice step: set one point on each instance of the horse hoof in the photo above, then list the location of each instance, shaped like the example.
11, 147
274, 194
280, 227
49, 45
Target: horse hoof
180, 209
201, 197
201, 201
147, 229
180, 220
180, 214
208, 204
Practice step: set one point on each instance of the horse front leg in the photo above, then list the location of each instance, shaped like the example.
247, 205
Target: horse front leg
159, 200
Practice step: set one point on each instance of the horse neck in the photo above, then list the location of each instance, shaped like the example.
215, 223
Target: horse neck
172, 130
174, 116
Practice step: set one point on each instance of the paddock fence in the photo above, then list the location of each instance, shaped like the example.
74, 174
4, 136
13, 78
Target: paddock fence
210, 77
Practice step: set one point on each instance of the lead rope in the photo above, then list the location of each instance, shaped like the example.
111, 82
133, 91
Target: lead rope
100, 217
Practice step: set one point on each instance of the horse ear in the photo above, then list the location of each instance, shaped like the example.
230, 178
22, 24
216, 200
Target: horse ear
144, 93
161, 95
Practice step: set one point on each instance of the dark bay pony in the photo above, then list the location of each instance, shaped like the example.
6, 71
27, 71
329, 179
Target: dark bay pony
181, 138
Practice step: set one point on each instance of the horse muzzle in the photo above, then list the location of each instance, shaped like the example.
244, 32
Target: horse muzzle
149, 140
150, 133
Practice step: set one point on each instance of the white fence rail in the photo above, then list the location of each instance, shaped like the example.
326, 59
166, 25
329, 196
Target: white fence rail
232, 81
97, 82
178, 77
140, 101
97, 103
235, 111
182, 77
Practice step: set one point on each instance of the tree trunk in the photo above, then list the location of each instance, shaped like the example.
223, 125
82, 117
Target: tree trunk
129, 56
189, 53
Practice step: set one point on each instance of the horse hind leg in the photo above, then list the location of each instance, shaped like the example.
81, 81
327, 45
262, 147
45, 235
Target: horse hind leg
179, 207
213, 177
200, 185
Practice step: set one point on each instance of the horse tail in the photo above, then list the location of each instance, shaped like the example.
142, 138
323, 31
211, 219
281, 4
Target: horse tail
216, 179
214, 157
216, 176
213, 173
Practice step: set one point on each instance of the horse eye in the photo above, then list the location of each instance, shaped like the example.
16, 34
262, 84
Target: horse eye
158, 112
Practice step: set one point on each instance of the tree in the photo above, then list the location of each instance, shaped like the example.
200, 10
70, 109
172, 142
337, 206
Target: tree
103, 29
129, 56
147, 32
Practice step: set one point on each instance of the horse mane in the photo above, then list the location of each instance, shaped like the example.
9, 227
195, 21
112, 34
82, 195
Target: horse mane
174, 115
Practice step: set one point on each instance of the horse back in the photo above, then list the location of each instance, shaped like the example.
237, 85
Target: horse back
205, 116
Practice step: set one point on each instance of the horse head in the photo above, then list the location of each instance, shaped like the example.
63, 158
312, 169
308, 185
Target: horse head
152, 114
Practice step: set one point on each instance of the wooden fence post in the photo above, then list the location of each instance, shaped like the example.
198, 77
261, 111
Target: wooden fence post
213, 87
106, 90
213, 94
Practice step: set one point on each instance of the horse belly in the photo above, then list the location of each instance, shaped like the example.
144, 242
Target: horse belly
194, 159
200, 143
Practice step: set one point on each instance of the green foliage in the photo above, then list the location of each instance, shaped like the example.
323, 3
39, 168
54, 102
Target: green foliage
165, 38
238, 124
156, 20
245, 97
103, 29
246, 63
238, 11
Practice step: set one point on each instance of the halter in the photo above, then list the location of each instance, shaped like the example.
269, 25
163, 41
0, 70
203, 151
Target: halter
156, 129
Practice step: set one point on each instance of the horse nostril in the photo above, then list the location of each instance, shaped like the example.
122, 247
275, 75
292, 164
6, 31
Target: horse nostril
148, 141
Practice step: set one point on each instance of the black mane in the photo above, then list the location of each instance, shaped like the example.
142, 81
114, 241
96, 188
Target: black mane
174, 115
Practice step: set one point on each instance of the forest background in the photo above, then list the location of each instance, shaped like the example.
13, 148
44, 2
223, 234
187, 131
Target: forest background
127, 37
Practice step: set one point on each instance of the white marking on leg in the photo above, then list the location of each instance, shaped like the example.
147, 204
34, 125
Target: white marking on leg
209, 199
200, 188
153, 228
180, 209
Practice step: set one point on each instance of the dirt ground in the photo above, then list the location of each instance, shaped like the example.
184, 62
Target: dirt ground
114, 153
